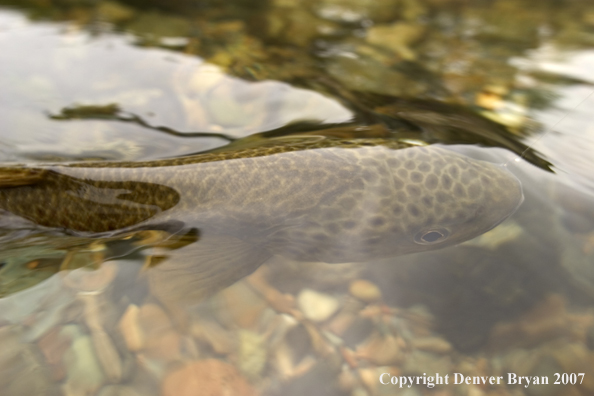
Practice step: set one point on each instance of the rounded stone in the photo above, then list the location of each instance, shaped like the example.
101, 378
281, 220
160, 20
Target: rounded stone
365, 290
317, 306
210, 377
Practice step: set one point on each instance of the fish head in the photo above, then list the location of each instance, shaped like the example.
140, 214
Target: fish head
444, 198
395, 202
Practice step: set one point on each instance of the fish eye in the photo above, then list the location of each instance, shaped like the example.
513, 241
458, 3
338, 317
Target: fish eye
432, 236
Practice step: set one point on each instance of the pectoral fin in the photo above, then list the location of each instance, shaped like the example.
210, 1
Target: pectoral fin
196, 271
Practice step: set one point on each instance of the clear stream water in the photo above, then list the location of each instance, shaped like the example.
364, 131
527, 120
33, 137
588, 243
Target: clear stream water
78, 317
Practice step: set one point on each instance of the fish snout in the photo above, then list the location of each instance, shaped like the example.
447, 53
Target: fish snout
502, 193
459, 198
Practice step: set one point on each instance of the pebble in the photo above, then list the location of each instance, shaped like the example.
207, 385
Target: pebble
130, 328
491, 97
576, 358
474, 391
252, 354
358, 332
165, 345
86, 280
411, 392
548, 320
546, 366
359, 391
419, 362
118, 390
21, 372
115, 12
220, 340
84, 373
365, 291
295, 25
522, 361
151, 330
317, 306
52, 346
153, 319
206, 377
492, 240
369, 378
107, 355
243, 305
350, 11
346, 316
383, 350
149, 368
372, 75
347, 381
432, 344
396, 37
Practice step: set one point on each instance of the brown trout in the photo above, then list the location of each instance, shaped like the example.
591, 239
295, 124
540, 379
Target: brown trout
308, 199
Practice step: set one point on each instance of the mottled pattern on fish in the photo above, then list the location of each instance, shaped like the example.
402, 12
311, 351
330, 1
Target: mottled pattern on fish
312, 199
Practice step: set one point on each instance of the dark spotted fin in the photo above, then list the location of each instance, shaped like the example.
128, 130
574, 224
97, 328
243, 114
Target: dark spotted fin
55, 200
16, 177
189, 274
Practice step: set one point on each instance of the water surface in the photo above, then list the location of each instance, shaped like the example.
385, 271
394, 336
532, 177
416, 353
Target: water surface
126, 81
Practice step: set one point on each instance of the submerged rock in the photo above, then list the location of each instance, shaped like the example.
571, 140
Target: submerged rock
206, 377
22, 370
84, 373
365, 290
317, 306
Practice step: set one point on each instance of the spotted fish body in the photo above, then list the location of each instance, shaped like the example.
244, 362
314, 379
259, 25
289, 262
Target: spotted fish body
320, 200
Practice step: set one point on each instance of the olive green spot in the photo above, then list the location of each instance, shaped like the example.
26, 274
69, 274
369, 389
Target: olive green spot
442, 197
446, 181
413, 210
410, 165
413, 190
347, 203
397, 209
459, 191
384, 192
393, 162
320, 237
424, 167
474, 190
369, 176
349, 225
332, 228
427, 201
377, 221
465, 179
416, 177
431, 182
453, 171
459, 216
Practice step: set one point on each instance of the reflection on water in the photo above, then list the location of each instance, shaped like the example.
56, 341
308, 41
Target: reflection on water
164, 88
119, 293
